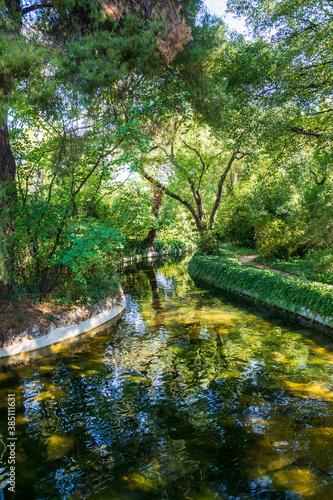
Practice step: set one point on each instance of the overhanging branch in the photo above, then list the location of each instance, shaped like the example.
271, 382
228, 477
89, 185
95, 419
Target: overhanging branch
306, 132
37, 6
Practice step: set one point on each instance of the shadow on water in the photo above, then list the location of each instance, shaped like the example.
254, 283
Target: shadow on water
192, 395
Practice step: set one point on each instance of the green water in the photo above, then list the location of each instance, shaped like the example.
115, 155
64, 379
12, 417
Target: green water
189, 396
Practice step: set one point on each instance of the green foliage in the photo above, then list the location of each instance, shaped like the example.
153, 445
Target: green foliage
318, 200
232, 130
99, 282
239, 229
207, 243
86, 243
131, 211
176, 223
292, 294
315, 265
60, 182
299, 31
234, 250
280, 239
136, 247
3, 242
172, 246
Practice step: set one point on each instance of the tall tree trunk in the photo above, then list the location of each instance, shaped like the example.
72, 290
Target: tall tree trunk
7, 195
7, 165
157, 202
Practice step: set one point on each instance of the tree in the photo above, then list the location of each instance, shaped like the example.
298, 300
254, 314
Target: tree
297, 35
53, 21
157, 202
60, 180
94, 46
185, 166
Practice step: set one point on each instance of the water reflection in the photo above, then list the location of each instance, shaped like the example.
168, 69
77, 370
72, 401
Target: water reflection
189, 397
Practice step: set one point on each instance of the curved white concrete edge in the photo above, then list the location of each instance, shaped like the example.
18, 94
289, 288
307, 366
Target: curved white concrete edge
64, 333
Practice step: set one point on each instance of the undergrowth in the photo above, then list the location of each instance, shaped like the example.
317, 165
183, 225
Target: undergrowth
230, 249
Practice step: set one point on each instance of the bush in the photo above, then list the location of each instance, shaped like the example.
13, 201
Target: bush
99, 281
98, 286
134, 247
207, 244
239, 230
279, 239
317, 265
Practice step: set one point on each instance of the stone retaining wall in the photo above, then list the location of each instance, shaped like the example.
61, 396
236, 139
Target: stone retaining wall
79, 319
66, 326
151, 254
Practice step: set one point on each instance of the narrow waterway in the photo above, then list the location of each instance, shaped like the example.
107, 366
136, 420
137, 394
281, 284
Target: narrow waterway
190, 396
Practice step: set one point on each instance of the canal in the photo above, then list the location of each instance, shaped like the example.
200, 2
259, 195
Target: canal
191, 395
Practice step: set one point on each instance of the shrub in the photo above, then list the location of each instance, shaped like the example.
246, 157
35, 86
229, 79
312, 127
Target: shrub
100, 281
134, 247
279, 239
317, 265
98, 286
207, 244
239, 230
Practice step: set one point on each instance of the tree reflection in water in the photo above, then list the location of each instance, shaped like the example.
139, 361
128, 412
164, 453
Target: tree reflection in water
190, 396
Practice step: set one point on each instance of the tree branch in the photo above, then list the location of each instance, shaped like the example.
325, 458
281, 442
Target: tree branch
195, 192
37, 6
173, 195
322, 112
306, 132
319, 183
197, 153
234, 156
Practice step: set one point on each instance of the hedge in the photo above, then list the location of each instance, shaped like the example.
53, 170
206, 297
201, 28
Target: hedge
308, 299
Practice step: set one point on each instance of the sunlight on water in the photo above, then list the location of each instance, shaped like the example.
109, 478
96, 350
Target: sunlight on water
190, 396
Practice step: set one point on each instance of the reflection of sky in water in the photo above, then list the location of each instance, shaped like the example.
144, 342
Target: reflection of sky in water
166, 283
188, 397
134, 316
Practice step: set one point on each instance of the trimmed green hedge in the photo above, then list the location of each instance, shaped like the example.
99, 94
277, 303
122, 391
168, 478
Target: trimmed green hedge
306, 298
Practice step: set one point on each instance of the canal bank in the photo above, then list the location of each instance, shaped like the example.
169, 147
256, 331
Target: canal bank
309, 300
84, 319
97, 317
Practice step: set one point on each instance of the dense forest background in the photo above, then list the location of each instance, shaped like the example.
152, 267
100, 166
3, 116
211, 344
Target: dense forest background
127, 123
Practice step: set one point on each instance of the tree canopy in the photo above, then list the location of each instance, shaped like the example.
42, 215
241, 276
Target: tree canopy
128, 120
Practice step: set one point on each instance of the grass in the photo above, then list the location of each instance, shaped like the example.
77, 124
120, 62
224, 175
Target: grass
315, 266
229, 249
